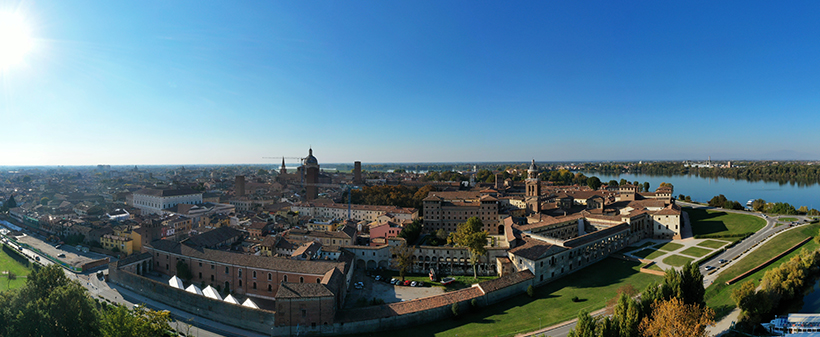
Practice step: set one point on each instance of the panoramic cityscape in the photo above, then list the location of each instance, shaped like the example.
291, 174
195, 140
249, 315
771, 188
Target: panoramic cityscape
413, 169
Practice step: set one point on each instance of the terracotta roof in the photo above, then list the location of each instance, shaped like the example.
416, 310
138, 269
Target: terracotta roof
506, 281
302, 290
261, 262
166, 193
546, 221
534, 249
596, 235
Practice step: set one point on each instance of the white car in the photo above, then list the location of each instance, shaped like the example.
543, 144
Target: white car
413, 284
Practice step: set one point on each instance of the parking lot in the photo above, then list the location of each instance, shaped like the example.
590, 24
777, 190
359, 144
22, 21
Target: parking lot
384, 290
73, 257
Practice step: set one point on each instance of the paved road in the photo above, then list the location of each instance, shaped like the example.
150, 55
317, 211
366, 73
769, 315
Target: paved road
730, 254
562, 329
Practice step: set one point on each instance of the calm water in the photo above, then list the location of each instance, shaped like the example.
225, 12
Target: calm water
811, 301
703, 189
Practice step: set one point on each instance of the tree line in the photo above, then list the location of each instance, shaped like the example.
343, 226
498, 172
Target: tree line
790, 172
674, 307
778, 286
50, 304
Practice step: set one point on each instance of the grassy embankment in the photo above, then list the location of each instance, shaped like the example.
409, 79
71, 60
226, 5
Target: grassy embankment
719, 223
718, 294
552, 303
9, 263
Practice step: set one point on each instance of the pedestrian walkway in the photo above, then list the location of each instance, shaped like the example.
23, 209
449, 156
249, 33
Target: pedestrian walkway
663, 249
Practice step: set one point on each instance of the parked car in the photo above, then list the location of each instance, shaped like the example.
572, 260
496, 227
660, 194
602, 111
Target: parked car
358, 285
393, 281
58, 246
61, 255
420, 284
447, 280
37, 258
378, 277
709, 267
406, 282
413, 284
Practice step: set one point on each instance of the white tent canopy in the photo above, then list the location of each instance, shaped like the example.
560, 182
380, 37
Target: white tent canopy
194, 290
248, 303
176, 282
231, 299
210, 292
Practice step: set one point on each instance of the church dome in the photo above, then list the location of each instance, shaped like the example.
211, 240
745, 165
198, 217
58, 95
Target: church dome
311, 160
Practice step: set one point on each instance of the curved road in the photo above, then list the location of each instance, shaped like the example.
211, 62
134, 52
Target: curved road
562, 329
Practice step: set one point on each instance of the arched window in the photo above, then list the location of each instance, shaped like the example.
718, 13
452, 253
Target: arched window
284, 278
301, 279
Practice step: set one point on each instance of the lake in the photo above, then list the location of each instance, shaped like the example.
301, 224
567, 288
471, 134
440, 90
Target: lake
702, 189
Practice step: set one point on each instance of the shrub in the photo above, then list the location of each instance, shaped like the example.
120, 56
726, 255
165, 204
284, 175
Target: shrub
454, 308
530, 291
576, 299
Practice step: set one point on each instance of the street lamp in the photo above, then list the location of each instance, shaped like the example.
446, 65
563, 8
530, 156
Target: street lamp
539, 323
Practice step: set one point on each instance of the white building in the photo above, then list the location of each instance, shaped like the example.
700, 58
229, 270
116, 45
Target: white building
329, 210
153, 201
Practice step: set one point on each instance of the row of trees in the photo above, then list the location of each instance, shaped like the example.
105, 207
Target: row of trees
672, 308
780, 284
761, 205
721, 201
801, 174
50, 304
395, 195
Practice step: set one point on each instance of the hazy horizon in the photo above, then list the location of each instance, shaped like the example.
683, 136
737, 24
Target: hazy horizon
160, 83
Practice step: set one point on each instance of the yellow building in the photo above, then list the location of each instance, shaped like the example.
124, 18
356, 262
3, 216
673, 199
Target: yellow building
118, 243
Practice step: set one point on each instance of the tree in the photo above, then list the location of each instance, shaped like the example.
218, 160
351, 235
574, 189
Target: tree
665, 184
627, 314
411, 232
673, 318
646, 186
718, 201
454, 308
759, 205
613, 183
118, 321
623, 182
585, 327
11, 277
402, 258
49, 305
594, 183
44, 201
470, 235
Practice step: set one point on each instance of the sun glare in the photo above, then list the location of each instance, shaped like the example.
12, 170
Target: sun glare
15, 41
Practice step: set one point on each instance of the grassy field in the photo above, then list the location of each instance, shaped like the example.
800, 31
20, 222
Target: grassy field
552, 303
643, 253
714, 244
8, 263
645, 244
655, 267
787, 219
718, 295
676, 260
722, 223
669, 246
695, 252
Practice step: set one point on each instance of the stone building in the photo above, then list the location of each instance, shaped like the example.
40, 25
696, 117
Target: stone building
154, 201
445, 210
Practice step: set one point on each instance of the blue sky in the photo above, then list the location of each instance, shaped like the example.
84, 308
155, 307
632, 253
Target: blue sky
176, 82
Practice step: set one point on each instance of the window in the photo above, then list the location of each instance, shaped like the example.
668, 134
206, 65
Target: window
304, 313
212, 278
212, 266
166, 266
270, 288
254, 274
240, 273
284, 278
318, 280
240, 282
226, 270
301, 279
200, 264
270, 277
254, 285
200, 276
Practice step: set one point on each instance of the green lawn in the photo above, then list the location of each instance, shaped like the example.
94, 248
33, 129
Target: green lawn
787, 219
656, 254
643, 253
7, 263
655, 267
676, 260
552, 303
695, 252
714, 244
645, 244
669, 246
722, 223
718, 294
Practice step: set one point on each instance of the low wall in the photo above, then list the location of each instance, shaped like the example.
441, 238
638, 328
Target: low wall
645, 269
94, 264
219, 311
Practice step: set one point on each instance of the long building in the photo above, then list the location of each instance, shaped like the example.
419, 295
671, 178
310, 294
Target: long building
369, 213
445, 210
154, 201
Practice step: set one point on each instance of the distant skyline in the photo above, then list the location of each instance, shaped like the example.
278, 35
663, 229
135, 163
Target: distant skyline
158, 82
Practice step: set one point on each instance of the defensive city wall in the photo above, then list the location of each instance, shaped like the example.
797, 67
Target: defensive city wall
362, 320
